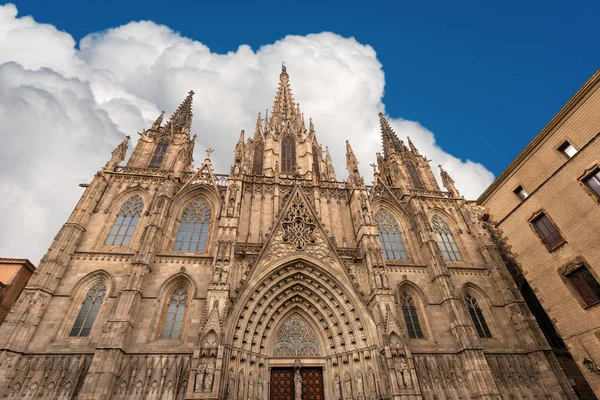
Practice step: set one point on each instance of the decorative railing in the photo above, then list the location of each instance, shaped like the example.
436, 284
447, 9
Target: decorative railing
142, 171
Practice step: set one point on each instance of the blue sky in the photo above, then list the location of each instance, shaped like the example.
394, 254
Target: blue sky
490, 74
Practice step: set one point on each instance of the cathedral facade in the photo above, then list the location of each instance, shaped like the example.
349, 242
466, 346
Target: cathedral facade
276, 280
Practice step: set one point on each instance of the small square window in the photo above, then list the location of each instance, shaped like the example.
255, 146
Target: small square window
586, 285
547, 231
593, 181
520, 192
567, 149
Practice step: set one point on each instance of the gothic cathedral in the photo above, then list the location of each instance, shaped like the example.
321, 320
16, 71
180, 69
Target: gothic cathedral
275, 281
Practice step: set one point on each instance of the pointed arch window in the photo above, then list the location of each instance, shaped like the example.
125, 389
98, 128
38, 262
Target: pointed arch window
445, 239
257, 161
411, 317
317, 162
124, 226
175, 313
296, 338
414, 174
477, 316
89, 311
288, 155
194, 227
159, 152
390, 237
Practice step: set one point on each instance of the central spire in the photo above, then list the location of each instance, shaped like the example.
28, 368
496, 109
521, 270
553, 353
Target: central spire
283, 107
391, 143
181, 120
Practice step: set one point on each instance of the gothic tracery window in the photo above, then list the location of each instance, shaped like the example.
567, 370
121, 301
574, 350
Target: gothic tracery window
288, 155
296, 338
317, 162
477, 316
257, 161
390, 237
194, 227
124, 226
159, 152
411, 318
445, 239
175, 313
414, 174
89, 311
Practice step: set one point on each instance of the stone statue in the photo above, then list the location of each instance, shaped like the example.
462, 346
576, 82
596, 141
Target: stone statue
347, 385
297, 385
241, 387
231, 386
336, 387
360, 391
259, 387
216, 273
200, 371
208, 378
371, 381
225, 273
250, 386
405, 373
231, 206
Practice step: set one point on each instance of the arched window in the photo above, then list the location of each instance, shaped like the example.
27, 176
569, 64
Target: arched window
89, 311
159, 152
257, 162
414, 174
127, 219
411, 318
194, 227
288, 155
477, 316
296, 338
317, 162
445, 239
175, 313
390, 237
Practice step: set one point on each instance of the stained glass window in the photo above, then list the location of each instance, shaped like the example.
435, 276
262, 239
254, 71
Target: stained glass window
194, 227
159, 153
317, 162
89, 311
477, 316
411, 317
288, 155
296, 338
257, 166
127, 219
445, 239
414, 174
390, 237
175, 314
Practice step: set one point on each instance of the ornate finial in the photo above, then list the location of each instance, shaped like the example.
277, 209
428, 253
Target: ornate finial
208, 151
374, 166
283, 67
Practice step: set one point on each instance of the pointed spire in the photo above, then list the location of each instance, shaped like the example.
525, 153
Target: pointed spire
181, 120
283, 107
391, 143
266, 118
156, 125
329, 162
118, 154
311, 127
448, 182
354, 177
413, 148
258, 128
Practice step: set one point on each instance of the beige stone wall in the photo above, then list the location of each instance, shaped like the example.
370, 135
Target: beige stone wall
553, 183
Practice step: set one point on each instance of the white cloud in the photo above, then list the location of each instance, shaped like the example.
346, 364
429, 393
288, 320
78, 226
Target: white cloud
63, 109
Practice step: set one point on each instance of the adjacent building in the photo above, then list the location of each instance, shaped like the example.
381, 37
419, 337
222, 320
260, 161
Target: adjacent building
14, 274
547, 206
274, 280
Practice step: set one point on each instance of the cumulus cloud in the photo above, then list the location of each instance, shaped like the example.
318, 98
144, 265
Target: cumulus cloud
63, 108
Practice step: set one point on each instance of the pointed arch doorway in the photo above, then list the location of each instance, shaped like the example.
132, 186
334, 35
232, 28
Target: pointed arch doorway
296, 341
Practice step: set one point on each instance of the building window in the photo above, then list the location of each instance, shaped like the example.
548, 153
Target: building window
586, 285
593, 182
317, 163
567, 149
477, 316
414, 174
445, 239
520, 192
127, 219
547, 231
288, 155
89, 311
175, 314
390, 237
194, 227
257, 162
411, 318
159, 153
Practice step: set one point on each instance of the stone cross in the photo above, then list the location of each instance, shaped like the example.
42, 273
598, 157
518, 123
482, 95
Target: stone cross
208, 151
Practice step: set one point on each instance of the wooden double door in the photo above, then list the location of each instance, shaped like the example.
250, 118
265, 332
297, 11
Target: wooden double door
282, 383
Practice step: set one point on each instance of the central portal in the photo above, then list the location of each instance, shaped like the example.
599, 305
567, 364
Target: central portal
283, 386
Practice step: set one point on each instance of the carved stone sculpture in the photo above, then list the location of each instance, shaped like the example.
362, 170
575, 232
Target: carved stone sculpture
336, 387
209, 377
297, 385
200, 371
347, 385
405, 371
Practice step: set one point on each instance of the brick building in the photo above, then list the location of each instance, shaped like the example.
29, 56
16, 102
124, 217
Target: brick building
546, 205
276, 280
14, 274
